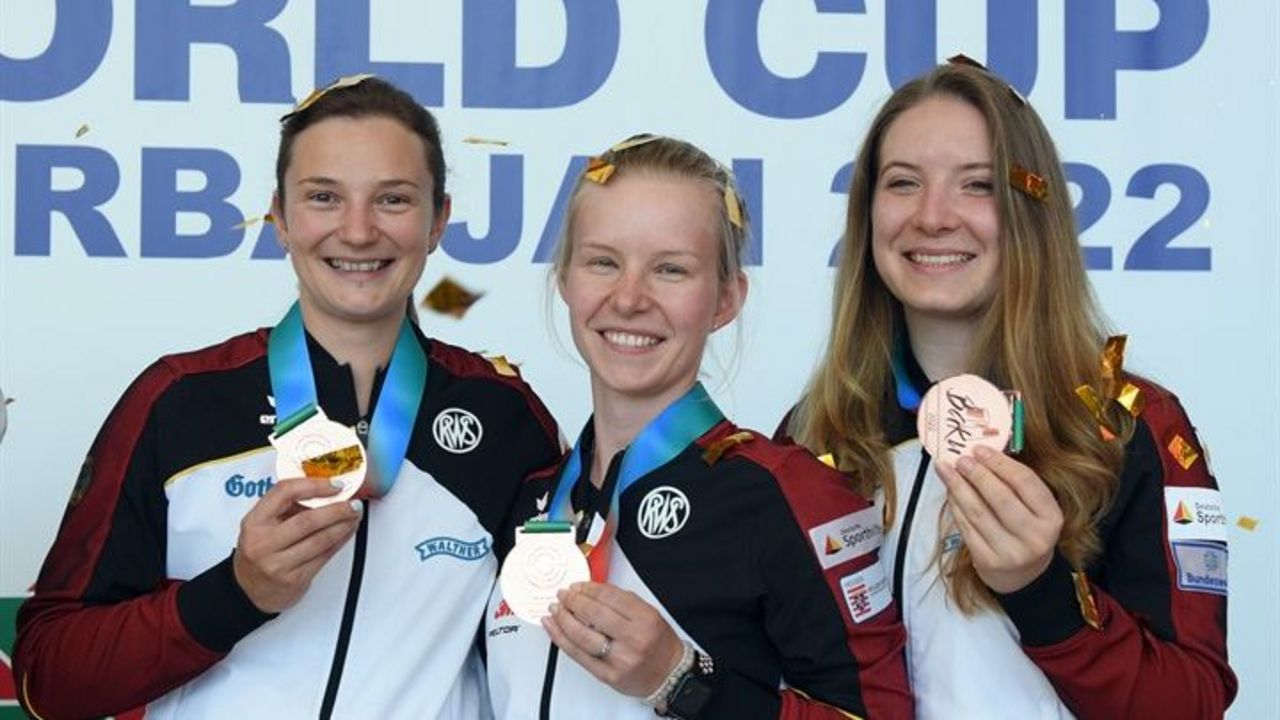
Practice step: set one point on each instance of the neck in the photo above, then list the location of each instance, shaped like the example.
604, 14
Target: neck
617, 419
941, 346
364, 347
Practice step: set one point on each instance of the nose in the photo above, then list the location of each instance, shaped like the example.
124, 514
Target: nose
936, 214
357, 224
631, 294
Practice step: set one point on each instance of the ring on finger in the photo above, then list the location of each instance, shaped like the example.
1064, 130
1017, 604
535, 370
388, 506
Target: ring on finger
604, 649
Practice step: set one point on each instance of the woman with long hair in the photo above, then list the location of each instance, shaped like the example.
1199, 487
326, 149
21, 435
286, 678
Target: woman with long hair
1061, 579
732, 577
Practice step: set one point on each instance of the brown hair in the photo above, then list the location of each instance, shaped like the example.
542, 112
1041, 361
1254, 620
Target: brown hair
1041, 334
371, 97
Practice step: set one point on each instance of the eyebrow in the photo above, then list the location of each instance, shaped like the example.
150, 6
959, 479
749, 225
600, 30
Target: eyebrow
662, 255
911, 166
331, 182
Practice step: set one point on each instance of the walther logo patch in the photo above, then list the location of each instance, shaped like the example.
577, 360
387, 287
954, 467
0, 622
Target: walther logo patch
453, 547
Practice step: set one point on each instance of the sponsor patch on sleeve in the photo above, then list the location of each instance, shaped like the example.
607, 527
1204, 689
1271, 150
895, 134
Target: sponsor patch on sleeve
1202, 566
866, 592
847, 537
1195, 514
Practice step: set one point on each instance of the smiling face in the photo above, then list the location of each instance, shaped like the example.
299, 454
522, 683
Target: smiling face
642, 284
357, 219
935, 223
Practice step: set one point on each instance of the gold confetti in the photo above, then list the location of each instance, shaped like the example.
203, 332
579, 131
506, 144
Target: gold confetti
450, 298
318, 93
713, 452
733, 205
1183, 452
503, 366
1028, 183
599, 171
248, 222
473, 140
334, 463
1247, 523
828, 459
1130, 398
1088, 606
82, 130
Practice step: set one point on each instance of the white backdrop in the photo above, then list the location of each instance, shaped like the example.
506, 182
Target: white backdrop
1167, 109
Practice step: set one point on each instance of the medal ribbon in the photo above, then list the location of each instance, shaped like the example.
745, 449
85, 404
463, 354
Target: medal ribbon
293, 386
908, 395
665, 437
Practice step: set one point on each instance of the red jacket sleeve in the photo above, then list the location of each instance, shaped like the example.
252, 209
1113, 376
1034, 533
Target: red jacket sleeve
105, 630
1160, 589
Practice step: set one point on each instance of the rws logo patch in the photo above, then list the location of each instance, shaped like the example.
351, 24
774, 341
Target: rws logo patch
456, 430
663, 511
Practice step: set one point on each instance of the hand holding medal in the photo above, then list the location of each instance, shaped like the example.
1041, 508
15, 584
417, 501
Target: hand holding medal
1008, 517
309, 444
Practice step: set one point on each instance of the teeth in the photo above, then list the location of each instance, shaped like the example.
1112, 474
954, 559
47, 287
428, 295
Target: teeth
630, 340
357, 266
947, 259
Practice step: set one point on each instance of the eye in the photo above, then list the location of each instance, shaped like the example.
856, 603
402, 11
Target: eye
321, 197
396, 200
671, 270
980, 186
901, 183
600, 263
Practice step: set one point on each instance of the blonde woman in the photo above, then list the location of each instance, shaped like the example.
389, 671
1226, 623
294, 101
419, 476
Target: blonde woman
715, 594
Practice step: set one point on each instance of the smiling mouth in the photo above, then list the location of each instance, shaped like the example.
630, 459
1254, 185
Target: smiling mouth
630, 341
939, 259
356, 265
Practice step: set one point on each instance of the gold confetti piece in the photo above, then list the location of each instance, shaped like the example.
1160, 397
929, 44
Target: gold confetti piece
473, 140
1130, 398
1028, 183
334, 463
318, 93
599, 171
828, 459
733, 205
269, 218
1084, 596
713, 452
248, 222
450, 298
503, 366
1182, 451
1247, 523
82, 130
634, 141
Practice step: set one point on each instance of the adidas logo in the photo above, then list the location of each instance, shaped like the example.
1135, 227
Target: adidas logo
503, 610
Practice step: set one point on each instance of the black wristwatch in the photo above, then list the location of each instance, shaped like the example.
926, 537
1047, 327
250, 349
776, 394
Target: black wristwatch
693, 691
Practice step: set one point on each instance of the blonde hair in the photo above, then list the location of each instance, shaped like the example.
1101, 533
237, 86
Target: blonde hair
1041, 334
659, 155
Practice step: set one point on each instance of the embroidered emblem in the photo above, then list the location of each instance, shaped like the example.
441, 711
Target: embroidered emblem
847, 537
1194, 514
663, 511
866, 592
1202, 566
456, 430
453, 547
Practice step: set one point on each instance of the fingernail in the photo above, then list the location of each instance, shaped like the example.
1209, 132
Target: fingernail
336, 483
560, 594
964, 464
553, 608
982, 452
357, 506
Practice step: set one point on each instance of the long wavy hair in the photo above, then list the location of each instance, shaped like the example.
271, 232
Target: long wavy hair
1041, 334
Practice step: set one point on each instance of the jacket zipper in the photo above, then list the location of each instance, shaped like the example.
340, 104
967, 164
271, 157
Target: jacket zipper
544, 709
904, 534
348, 616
